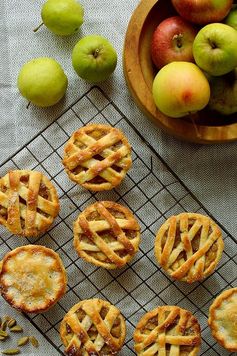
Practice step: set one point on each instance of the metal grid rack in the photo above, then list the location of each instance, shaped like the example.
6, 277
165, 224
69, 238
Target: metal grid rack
153, 192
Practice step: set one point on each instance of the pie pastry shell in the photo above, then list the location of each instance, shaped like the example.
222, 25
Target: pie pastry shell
28, 202
106, 234
93, 327
188, 246
32, 278
97, 157
223, 319
167, 330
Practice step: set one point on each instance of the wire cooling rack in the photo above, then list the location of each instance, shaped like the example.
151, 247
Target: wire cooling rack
153, 192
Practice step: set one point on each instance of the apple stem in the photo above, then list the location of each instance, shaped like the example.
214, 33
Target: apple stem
193, 116
178, 39
37, 28
96, 52
27, 106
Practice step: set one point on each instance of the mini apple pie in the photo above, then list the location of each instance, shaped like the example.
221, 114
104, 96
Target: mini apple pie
97, 157
28, 202
223, 319
93, 327
32, 278
167, 330
106, 234
188, 246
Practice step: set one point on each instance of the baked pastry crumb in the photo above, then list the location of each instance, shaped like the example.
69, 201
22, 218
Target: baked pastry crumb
97, 156
93, 327
106, 234
32, 278
223, 319
167, 330
188, 246
28, 202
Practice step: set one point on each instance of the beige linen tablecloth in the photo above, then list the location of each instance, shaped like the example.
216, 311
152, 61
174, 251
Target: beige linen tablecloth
208, 171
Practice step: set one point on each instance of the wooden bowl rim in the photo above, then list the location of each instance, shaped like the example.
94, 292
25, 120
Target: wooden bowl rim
177, 127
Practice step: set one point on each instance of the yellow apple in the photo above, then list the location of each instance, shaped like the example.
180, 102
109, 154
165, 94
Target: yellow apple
180, 88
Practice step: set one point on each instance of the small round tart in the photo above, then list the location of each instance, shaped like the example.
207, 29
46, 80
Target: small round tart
106, 234
28, 202
93, 327
188, 246
167, 330
97, 157
32, 278
223, 319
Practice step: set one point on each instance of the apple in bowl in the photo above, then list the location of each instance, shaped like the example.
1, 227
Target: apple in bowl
172, 40
224, 93
215, 48
174, 91
203, 11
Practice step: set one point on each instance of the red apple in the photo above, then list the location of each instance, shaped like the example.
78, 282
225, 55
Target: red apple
172, 41
203, 11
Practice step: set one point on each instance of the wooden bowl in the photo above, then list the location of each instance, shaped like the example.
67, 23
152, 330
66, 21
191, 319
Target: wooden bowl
208, 126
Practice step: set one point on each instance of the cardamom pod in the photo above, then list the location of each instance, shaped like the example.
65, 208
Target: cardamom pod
11, 323
23, 341
3, 333
16, 328
4, 324
11, 352
2, 338
34, 341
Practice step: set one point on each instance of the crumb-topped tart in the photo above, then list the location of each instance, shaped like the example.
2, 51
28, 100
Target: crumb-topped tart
97, 157
106, 234
93, 327
188, 246
223, 319
167, 330
28, 202
32, 278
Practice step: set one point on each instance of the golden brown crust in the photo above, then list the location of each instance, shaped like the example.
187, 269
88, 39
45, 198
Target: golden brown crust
93, 327
33, 278
223, 319
106, 234
188, 246
97, 157
167, 328
28, 202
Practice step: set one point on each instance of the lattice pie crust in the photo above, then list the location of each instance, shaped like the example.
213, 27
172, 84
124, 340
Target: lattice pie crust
93, 327
167, 330
189, 246
28, 202
106, 234
97, 157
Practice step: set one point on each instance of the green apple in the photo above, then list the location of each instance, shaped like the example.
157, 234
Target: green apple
231, 18
180, 88
224, 93
94, 58
62, 17
42, 81
215, 48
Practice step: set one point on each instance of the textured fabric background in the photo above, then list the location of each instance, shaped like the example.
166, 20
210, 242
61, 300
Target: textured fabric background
209, 171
